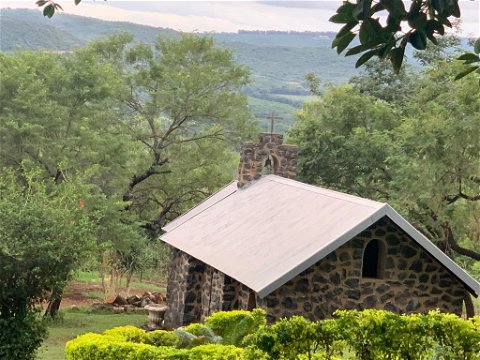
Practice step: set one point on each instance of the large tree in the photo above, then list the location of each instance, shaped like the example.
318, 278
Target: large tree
185, 109
151, 129
423, 158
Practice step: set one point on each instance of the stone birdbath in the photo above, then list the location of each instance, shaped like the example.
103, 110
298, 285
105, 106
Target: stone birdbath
156, 313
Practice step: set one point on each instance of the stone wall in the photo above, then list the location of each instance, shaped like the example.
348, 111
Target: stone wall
212, 295
236, 296
253, 158
194, 290
412, 281
176, 288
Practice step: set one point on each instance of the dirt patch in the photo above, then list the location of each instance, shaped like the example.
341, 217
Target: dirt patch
83, 295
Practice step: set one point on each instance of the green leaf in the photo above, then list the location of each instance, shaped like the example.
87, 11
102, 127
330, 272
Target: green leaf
371, 32
417, 20
396, 57
418, 39
365, 57
396, 8
376, 8
476, 47
393, 24
77, 2
384, 51
434, 25
466, 72
40, 3
455, 10
432, 38
438, 5
345, 29
469, 57
344, 41
48, 11
346, 8
355, 50
445, 22
341, 19
344, 14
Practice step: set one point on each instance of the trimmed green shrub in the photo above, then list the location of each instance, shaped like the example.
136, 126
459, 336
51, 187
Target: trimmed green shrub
203, 331
456, 336
233, 326
162, 338
363, 335
114, 347
216, 352
128, 333
297, 338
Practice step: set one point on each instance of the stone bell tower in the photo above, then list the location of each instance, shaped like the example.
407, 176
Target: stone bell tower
269, 156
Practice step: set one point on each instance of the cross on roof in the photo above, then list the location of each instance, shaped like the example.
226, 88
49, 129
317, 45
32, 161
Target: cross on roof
272, 118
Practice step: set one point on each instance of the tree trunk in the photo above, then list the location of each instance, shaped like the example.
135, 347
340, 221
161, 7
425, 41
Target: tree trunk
469, 308
54, 303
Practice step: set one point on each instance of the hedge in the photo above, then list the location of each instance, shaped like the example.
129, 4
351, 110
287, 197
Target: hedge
363, 335
109, 347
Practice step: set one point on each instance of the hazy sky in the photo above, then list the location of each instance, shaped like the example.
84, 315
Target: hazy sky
228, 15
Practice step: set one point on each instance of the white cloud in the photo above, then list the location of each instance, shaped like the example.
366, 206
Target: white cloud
228, 15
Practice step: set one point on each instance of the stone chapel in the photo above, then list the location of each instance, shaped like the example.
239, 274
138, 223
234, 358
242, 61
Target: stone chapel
269, 241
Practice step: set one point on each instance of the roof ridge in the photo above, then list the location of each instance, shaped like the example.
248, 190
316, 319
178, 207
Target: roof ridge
324, 191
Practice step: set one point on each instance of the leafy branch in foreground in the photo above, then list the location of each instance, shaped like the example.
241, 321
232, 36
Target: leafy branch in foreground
51, 6
425, 19
471, 61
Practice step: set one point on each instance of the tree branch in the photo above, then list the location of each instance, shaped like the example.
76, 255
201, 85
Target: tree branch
457, 248
452, 198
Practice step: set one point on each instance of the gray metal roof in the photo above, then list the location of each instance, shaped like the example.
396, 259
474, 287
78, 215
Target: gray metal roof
269, 231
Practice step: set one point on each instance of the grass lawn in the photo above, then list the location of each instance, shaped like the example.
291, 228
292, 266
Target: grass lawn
80, 322
73, 323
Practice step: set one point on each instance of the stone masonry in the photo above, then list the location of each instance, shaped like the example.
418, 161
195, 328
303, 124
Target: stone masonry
176, 288
194, 290
235, 295
412, 281
254, 156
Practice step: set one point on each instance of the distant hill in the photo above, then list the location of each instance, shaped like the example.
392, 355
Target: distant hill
278, 61
17, 33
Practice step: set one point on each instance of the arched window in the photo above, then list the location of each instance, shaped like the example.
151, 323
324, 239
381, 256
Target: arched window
373, 259
270, 166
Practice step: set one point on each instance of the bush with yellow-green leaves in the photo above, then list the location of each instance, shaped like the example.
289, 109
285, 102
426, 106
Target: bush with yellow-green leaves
244, 335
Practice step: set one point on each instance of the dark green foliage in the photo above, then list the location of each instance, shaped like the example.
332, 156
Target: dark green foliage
471, 61
426, 20
43, 235
21, 335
